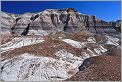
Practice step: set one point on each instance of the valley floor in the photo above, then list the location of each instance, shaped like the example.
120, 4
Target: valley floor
59, 56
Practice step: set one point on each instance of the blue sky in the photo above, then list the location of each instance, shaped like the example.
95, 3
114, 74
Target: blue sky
106, 10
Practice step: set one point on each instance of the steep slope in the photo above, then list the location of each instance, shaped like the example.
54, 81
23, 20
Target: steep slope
53, 20
99, 68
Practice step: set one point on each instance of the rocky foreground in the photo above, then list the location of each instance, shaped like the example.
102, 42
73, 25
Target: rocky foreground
59, 45
99, 68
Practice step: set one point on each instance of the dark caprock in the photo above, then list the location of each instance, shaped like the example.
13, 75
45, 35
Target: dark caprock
68, 17
71, 10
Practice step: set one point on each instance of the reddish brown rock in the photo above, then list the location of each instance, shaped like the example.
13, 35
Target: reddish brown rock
99, 68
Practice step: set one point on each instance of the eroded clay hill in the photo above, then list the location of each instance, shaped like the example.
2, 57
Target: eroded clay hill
59, 44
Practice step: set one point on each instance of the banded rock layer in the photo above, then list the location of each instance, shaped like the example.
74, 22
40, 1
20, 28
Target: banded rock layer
53, 20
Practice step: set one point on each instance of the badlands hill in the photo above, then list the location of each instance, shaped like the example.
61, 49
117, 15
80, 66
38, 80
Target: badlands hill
59, 44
